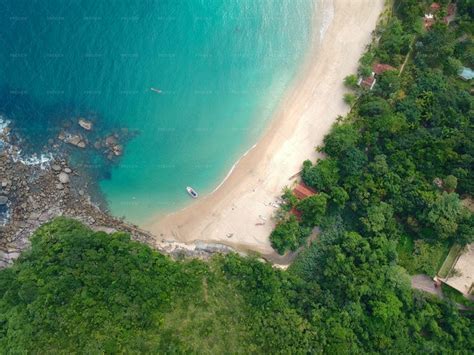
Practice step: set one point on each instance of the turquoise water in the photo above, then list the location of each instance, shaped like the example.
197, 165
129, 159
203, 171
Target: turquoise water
222, 66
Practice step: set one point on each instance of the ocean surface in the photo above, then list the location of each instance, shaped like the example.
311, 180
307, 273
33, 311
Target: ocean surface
221, 66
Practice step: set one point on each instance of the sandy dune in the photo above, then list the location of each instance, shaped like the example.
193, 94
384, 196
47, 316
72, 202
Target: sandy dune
239, 212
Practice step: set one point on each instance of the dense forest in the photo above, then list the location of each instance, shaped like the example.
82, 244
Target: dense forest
396, 167
388, 202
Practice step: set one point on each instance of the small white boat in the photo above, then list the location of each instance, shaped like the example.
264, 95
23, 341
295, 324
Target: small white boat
191, 192
156, 90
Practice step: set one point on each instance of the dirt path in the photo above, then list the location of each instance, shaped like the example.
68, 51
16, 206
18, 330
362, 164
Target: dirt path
425, 283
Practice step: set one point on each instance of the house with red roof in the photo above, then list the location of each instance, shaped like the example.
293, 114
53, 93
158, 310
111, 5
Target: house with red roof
367, 82
301, 191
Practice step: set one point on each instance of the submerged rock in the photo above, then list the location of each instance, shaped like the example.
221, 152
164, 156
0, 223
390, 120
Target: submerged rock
87, 125
63, 178
117, 149
3, 200
76, 140
111, 141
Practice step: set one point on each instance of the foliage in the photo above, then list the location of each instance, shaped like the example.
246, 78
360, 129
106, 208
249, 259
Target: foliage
350, 98
450, 183
82, 291
394, 43
350, 81
322, 176
427, 258
456, 296
313, 209
288, 235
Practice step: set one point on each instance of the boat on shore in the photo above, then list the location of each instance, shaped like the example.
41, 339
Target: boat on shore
192, 192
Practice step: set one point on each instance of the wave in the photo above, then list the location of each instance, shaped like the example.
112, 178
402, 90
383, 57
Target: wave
328, 16
232, 168
42, 160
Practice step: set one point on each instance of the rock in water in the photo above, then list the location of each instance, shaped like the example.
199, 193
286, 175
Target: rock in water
3, 200
63, 178
110, 141
87, 125
76, 140
118, 150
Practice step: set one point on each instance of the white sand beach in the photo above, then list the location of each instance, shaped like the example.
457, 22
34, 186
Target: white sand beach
239, 213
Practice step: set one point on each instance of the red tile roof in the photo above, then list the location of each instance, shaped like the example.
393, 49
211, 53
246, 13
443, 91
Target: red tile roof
380, 68
296, 213
435, 6
302, 191
368, 82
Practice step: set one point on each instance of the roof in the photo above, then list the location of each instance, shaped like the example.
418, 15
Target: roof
296, 213
428, 22
466, 73
367, 82
302, 191
463, 277
451, 9
379, 68
435, 6
451, 14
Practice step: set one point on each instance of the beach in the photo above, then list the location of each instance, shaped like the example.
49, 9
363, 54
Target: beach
239, 212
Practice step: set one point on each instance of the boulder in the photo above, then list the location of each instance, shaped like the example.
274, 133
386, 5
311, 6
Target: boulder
87, 125
3, 200
56, 167
118, 150
59, 186
75, 139
97, 144
63, 178
110, 141
67, 170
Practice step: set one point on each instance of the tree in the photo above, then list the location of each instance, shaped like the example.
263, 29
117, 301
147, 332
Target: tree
339, 196
444, 214
450, 183
323, 176
380, 220
350, 99
342, 137
287, 235
394, 42
350, 81
465, 232
388, 84
313, 209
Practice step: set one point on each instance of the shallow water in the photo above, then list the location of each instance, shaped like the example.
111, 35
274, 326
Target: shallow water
222, 66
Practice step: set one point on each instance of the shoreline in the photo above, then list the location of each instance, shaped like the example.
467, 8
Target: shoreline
233, 212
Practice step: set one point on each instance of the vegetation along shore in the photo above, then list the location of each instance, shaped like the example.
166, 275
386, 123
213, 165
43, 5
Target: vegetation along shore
384, 206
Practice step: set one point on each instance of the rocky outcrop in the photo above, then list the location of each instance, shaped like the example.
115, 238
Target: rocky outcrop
31, 195
73, 139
